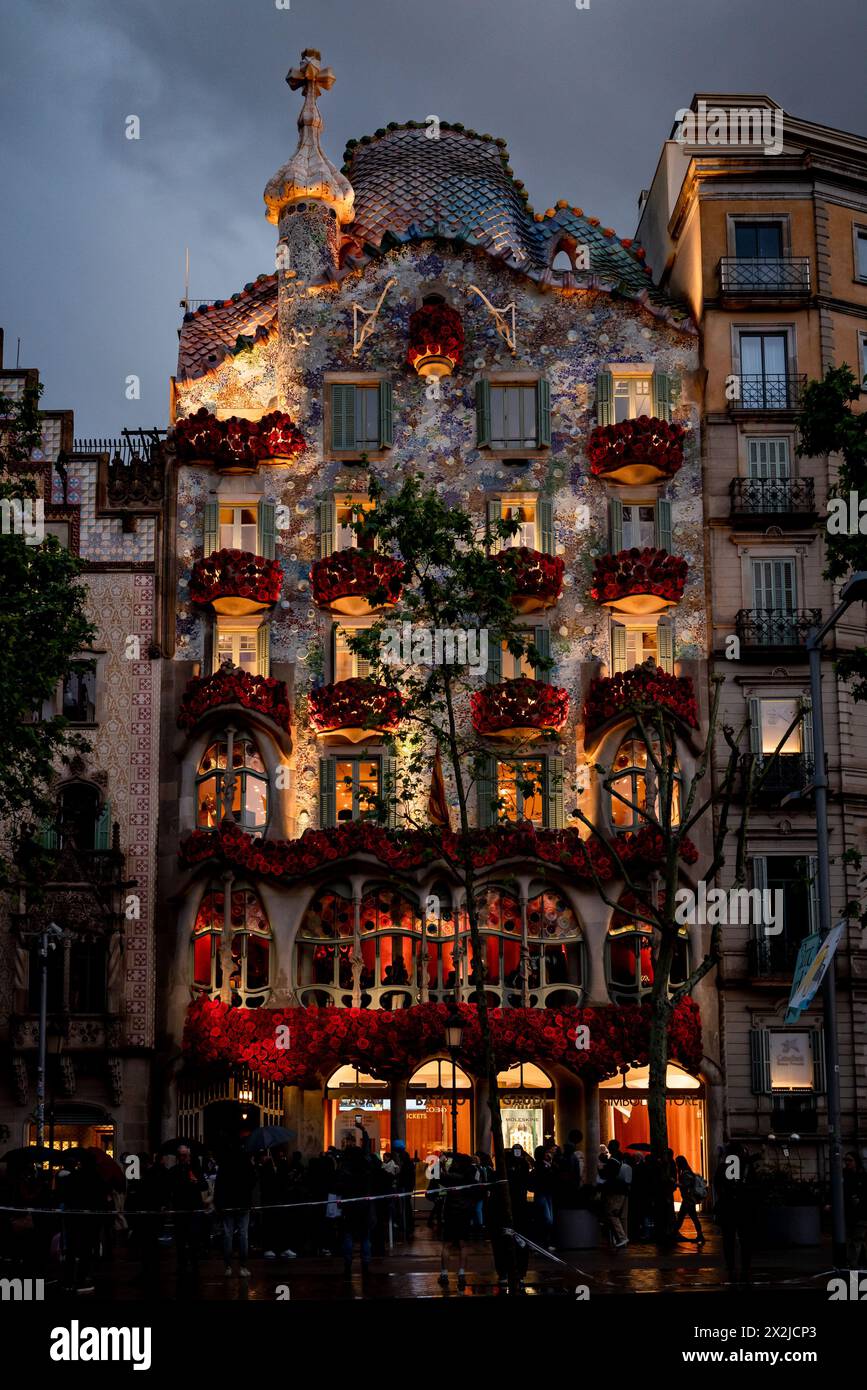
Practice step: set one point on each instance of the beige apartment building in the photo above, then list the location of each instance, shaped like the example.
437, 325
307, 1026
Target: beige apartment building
765, 238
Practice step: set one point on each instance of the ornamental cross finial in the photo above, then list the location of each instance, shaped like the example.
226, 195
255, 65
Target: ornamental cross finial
309, 75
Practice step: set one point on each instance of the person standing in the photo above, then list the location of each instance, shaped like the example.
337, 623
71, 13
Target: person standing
855, 1203
614, 1200
355, 1182
233, 1198
692, 1190
735, 1206
458, 1179
543, 1194
184, 1190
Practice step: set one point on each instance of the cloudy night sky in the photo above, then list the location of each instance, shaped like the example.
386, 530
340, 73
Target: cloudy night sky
93, 226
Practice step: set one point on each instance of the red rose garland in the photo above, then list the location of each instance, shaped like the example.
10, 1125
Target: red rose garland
521, 703
356, 574
436, 330
237, 442
355, 703
263, 693
647, 571
235, 574
388, 1044
647, 440
535, 574
636, 689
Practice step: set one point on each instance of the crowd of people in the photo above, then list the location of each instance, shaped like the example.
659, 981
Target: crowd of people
352, 1201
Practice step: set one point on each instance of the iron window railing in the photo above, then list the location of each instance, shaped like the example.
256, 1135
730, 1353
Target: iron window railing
789, 772
770, 391
765, 275
773, 955
776, 627
772, 497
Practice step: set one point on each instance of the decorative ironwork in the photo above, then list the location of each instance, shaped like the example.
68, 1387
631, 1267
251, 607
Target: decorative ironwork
773, 956
775, 498
369, 317
771, 391
777, 275
504, 319
764, 628
789, 772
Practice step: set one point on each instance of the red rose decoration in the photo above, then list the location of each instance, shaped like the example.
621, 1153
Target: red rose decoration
645, 443
535, 575
519, 704
235, 687
636, 690
357, 573
436, 330
635, 571
354, 704
237, 442
235, 574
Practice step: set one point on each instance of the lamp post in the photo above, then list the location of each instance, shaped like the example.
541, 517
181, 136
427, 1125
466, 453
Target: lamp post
853, 591
48, 939
454, 1037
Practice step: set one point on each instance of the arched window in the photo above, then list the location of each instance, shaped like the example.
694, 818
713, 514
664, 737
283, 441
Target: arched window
81, 820
556, 949
562, 260
629, 955
241, 917
387, 965
232, 782
635, 785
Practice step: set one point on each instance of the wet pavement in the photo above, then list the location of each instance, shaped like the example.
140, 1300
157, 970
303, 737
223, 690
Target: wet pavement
411, 1269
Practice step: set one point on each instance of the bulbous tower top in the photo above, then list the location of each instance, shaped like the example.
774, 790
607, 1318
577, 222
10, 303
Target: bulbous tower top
309, 174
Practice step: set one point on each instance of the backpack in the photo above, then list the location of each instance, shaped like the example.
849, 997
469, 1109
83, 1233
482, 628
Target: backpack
699, 1188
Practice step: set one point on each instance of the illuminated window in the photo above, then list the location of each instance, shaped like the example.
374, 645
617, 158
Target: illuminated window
238, 645
632, 397
521, 786
239, 528
387, 967
357, 784
629, 955
522, 510
347, 663
239, 919
630, 774
232, 782
349, 512
775, 716
639, 525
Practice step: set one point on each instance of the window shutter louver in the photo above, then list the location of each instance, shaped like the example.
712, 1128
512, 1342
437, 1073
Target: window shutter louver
604, 399
267, 530
661, 395
493, 513
483, 414
542, 643
759, 881
760, 1058
615, 525
263, 649
211, 527
46, 836
486, 790
102, 829
543, 414
665, 645
389, 791
326, 528
386, 415
327, 794
342, 416
618, 647
494, 673
545, 517
662, 512
554, 801
755, 726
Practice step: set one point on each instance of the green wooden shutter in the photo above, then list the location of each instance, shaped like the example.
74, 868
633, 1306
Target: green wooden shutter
618, 647
102, 829
755, 726
342, 416
47, 836
389, 790
211, 527
386, 415
263, 649
545, 524
760, 1059
483, 414
665, 645
327, 793
486, 790
361, 666
542, 643
267, 530
326, 528
554, 803
663, 524
759, 881
615, 524
543, 414
604, 399
661, 395
494, 673
493, 513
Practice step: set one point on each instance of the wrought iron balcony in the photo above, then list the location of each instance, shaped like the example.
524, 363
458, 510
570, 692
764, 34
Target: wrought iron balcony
770, 391
768, 501
777, 276
766, 632
773, 956
789, 772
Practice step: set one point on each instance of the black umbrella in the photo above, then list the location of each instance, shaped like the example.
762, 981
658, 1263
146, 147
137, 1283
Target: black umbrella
34, 1153
268, 1137
640, 1148
171, 1146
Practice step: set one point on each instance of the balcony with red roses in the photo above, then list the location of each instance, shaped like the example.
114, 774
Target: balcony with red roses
519, 709
639, 690
639, 582
537, 578
356, 582
237, 445
236, 582
235, 687
355, 710
636, 452
436, 340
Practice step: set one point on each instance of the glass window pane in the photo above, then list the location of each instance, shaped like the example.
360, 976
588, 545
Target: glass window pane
777, 715
862, 255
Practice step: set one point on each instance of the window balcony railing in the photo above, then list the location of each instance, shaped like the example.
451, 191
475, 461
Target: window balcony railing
773, 956
770, 631
780, 275
783, 501
789, 772
769, 391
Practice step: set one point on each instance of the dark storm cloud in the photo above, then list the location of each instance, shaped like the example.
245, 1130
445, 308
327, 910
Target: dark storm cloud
93, 226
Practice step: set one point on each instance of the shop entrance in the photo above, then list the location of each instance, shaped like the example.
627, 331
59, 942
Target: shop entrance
625, 1118
77, 1127
527, 1106
430, 1096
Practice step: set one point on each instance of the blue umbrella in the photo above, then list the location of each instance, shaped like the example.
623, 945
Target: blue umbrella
268, 1137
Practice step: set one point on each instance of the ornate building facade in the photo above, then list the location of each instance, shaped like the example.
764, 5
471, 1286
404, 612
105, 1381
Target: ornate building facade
293, 934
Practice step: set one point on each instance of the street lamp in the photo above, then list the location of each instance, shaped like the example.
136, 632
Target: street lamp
48, 939
854, 591
454, 1037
